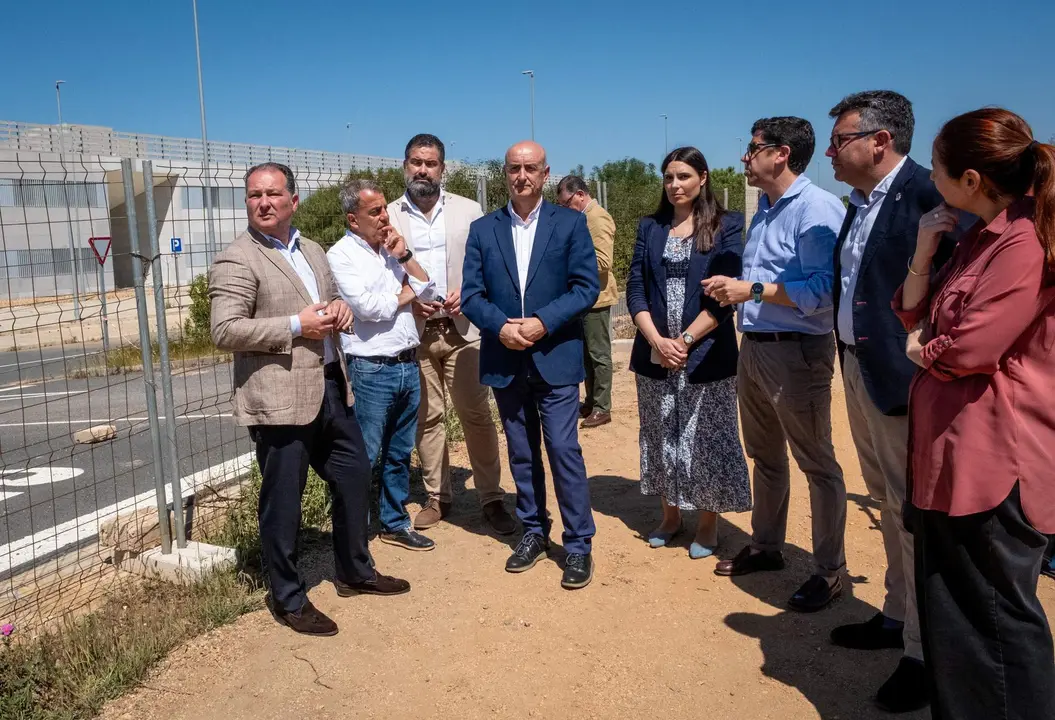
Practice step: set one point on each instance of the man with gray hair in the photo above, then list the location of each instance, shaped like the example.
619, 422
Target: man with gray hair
869, 149
379, 278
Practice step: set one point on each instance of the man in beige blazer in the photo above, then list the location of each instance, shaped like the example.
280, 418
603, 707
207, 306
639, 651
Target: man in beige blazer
435, 224
276, 308
596, 409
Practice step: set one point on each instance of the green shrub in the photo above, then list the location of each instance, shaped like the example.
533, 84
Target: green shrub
197, 327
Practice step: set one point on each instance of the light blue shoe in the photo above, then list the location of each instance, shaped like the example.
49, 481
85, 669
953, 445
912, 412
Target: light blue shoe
658, 539
698, 552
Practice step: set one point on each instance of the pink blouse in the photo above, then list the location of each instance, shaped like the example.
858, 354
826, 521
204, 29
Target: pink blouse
982, 408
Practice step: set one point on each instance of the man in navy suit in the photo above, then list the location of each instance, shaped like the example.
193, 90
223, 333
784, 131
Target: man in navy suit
869, 150
530, 274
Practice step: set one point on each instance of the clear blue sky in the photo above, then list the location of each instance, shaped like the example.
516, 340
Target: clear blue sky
294, 73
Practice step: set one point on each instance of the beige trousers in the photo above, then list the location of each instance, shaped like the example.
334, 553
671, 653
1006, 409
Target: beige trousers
882, 448
451, 365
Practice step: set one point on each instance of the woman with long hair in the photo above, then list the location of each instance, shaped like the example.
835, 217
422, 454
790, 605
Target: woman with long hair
982, 419
685, 355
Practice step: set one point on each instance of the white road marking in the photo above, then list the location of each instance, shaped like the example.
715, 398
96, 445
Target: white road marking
59, 393
8, 495
199, 416
72, 532
50, 360
37, 476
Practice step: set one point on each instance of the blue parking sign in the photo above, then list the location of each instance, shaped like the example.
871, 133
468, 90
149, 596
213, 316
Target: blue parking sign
177, 245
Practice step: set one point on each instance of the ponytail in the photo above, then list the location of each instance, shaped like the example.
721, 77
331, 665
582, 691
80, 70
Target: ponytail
1044, 193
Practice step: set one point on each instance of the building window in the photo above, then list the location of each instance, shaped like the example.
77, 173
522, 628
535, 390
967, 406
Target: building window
51, 194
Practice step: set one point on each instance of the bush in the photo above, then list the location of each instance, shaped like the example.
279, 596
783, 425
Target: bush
197, 328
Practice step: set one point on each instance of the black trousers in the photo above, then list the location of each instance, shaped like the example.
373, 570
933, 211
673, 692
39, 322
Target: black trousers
333, 445
986, 641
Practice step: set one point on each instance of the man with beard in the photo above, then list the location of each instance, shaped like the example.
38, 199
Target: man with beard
435, 224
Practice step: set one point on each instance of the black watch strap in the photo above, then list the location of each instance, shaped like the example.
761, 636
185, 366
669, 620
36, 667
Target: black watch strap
405, 258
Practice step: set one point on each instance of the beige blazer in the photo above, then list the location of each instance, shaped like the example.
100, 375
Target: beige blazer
458, 214
278, 379
602, 230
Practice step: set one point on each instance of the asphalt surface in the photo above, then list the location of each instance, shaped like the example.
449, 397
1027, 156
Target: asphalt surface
24, 366
46, 479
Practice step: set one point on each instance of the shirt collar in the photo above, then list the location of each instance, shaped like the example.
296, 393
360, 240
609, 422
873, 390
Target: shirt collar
858, 198
411, 206
1023, 207
360, 241
801, 183
294, 240
589, 205
532, 216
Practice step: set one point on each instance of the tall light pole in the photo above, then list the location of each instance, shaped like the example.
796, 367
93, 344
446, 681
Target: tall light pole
740, 148
531, 75
210, 247
666, 145
75, 266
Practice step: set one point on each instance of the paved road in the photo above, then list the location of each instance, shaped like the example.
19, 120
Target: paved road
26, 366
47, 480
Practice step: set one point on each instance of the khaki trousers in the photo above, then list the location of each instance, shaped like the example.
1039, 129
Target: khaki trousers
882, 448
451, 365
785, 392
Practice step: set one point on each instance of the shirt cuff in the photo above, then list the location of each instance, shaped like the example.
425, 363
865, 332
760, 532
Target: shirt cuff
424, 290
294, 325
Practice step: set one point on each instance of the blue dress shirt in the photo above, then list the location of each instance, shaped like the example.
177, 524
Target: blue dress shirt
792, 243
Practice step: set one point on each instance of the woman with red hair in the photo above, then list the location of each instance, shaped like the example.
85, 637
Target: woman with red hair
982, 419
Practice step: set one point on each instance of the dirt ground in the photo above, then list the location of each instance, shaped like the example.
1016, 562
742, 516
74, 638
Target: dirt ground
655, 635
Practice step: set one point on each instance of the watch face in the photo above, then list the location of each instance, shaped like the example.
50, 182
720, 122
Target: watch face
757, 289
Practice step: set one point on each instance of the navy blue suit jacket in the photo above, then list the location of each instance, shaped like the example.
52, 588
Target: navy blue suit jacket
714, 356
562, 284
880, 337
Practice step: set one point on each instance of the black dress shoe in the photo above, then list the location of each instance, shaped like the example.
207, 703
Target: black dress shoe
306, 621
408, 540
380, 585
531, 548
584, 410
871, 635
815, 594
578, 571
498, 518
905, 690
747, 562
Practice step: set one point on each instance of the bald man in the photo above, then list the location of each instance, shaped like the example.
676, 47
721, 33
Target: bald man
530, 274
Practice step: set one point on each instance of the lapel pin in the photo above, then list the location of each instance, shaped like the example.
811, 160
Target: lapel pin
897, 197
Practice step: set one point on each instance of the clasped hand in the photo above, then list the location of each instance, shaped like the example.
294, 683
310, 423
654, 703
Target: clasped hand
521, 333
319, 320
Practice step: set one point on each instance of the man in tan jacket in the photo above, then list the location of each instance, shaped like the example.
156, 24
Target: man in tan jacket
276, 308
435, 224
596, 409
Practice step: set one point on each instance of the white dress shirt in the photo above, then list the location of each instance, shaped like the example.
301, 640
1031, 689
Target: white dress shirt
295, 257
428, 239
523, 242
370, 282
854, 249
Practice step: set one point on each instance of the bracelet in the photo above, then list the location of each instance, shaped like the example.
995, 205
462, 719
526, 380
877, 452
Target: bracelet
403, 260
913, 272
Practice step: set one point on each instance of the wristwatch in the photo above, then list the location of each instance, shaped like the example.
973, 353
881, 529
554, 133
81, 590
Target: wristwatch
756, 291
688, 338
405, 258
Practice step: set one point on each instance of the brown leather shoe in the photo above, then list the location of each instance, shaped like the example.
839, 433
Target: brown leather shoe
430, 515
747, 562
380, 585
306, 621
498, 518
597, 419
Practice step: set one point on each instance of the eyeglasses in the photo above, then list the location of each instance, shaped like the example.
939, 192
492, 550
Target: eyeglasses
754, 148
839, 140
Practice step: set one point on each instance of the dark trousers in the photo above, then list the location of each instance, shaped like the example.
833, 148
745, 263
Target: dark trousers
532, 410
333, 445
986, 641
597, 333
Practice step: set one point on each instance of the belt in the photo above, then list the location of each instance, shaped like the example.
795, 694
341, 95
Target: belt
776, 336
442, 322
407, 356
333, 371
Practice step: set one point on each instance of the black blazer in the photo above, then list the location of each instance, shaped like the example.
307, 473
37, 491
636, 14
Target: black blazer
714, 356
880, 341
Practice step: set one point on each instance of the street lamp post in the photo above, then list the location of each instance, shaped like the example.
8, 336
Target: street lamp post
531, 75
210, 248
666, 145
740, 147
74, 265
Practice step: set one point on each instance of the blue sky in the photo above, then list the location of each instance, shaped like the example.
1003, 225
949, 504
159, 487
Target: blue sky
294, 73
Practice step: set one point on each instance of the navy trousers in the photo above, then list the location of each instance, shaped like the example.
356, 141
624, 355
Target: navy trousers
532, 411
333, 445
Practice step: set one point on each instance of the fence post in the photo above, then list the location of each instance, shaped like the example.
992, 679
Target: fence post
166, 367
481, 191
725, 202
128, 178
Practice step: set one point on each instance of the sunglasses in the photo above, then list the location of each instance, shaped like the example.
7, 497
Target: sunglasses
840, 140
754, 148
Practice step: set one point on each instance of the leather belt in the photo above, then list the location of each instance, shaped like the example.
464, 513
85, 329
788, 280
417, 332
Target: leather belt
441, 322
776, 336
407, 356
